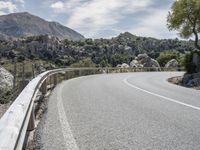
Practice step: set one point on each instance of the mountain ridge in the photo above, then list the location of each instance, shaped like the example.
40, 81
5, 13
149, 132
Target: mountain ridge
24, 24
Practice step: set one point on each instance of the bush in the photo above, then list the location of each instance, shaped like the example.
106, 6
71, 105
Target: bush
84, 63
5, 97
20, 58
165, 57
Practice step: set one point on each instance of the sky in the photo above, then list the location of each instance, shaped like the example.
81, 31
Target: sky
100, 18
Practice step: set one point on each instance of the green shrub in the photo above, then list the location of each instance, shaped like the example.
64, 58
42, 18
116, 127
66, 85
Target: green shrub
5, 97
87, 62
165, 57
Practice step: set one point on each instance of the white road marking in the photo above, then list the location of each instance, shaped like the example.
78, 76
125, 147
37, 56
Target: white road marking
166, 98
70, 142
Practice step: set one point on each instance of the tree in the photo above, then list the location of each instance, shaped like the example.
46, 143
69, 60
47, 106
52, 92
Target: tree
167, 56
87, 62
185, 17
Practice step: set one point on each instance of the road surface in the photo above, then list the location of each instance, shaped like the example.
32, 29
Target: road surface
131, 111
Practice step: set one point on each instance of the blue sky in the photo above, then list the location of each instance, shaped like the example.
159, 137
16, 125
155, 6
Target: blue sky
100, 18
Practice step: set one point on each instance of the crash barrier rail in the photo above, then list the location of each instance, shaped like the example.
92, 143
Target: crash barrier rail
20, 117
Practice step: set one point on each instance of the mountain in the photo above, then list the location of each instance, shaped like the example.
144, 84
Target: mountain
18, 25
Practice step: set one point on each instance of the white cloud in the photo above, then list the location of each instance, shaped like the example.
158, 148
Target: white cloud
154, 25
58, 6
7, 6
20, 3
92, 16
10, 6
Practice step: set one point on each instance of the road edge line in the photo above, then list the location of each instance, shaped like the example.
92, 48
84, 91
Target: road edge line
70, 142
154, 94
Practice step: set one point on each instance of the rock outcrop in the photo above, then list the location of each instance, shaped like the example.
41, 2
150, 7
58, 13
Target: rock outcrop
135, 64
147, 61
124, 65
143, 60
191, 80
6, 81
172, 64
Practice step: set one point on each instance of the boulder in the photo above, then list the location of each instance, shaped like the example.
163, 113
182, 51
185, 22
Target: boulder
172, 64
6, 80
154, 63
196, 75
187, 78
128, 48
143, 58
119, 66
194, 82
191, 79
124, 65
40, 68
147, 61
134, 64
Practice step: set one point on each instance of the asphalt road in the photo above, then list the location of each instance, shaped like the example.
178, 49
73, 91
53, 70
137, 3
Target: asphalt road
133, 111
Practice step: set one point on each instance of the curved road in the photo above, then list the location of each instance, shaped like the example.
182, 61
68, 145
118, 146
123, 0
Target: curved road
131, 111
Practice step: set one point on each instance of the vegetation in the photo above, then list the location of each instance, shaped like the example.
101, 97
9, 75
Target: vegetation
167, 56
184, 17
100, 52
84, 63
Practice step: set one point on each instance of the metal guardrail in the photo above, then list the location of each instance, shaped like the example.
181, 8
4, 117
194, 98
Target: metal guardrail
20, 116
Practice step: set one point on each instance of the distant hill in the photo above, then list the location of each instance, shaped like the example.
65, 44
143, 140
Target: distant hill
17, 25
103, 52
149, 45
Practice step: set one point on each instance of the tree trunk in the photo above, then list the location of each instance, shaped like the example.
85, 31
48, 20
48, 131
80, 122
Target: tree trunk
196, 43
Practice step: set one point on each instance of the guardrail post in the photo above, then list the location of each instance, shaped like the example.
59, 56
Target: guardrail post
44, 87
55, 79
31, 125
107, 71
66, 76
80, 73
93, 71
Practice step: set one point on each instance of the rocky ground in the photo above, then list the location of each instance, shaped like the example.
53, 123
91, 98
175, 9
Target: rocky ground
178, 81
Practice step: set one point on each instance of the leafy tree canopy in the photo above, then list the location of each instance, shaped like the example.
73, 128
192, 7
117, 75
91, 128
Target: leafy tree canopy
185, 17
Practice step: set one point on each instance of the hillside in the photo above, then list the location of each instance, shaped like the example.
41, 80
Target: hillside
102, 52
25, 24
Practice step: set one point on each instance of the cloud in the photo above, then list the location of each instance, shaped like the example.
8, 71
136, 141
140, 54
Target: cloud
154, 25
58, 6
95, 18
90, 17
7, 6
19, 1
